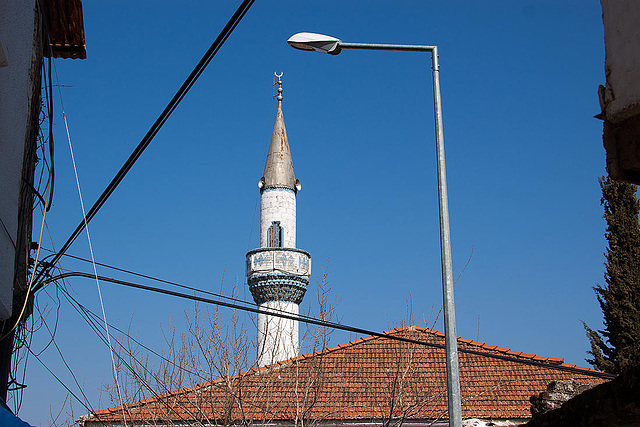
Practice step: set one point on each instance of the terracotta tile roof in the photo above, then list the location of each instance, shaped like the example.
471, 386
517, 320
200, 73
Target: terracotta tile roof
369, 379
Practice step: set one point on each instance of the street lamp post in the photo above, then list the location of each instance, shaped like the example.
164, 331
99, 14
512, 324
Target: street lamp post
333, 46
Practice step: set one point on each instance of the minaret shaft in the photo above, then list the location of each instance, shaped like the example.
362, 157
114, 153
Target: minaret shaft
278, 204
277, 337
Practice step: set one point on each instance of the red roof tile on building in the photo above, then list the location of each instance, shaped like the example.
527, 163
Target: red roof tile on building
371, 379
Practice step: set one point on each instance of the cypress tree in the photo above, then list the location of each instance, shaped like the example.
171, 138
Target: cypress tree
617, 347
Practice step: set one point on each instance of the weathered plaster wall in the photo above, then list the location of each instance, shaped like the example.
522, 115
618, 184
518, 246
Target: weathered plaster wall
622, 63
17, 80
620, 97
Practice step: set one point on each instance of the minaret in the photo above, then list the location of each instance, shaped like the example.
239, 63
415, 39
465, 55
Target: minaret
278, 273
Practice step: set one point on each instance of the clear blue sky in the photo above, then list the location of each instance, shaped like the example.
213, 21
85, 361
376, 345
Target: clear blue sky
523, 155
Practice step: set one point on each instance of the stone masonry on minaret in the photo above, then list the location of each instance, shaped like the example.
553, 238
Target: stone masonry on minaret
277, 272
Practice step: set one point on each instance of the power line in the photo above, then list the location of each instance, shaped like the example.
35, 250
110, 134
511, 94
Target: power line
317, 322
96, 326
90, 313
64, 361
30, 287
302, 318
58, 379
234, 300
93, 263
155, 128
49, 97
8, 235
157, 279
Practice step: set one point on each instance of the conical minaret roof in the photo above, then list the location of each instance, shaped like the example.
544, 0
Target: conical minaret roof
278, 170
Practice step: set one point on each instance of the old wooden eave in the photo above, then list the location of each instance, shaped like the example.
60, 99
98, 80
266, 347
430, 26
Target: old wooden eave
65, 26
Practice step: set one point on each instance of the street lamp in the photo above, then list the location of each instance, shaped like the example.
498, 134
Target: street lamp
333, 46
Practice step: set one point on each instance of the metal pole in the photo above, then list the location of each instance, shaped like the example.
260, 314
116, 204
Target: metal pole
451, 340
379, 46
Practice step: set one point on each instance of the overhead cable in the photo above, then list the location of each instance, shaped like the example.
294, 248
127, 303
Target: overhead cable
334, 325
33, 272
93, 263
97, 328
91, 314
179, 285
146, 276
58, 379
52, 173
49, 95
73, 375
157, 125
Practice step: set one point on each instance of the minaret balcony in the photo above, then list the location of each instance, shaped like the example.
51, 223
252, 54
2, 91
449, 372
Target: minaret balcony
288, 261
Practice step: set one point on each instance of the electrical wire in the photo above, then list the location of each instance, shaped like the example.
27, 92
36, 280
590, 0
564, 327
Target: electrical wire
95, 316
49, 97
50, 193
333, 325
179, 285
25, 341
25, 211
33, 272
97, 328
302, 318
157, 125
21, 336
35, 192
236, 18
58, 305
45, 165
155, 353
93, 320
8, 235
57, 379
52, 170
123, 270
19, 328
64, 361
57, 318
45, 24
93, 263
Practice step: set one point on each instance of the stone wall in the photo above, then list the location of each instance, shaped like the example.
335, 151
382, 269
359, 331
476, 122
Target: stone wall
558, 392
615, 403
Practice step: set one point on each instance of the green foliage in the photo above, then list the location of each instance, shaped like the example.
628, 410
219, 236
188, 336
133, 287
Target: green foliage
617, 347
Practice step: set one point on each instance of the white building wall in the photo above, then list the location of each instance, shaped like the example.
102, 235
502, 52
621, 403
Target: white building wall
278, 204
277, 337
17, 79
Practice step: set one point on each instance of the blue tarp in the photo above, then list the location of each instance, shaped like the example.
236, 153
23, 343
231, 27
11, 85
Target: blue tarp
7, 419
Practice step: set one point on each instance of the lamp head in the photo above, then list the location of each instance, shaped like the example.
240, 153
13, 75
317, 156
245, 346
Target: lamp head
317, 42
